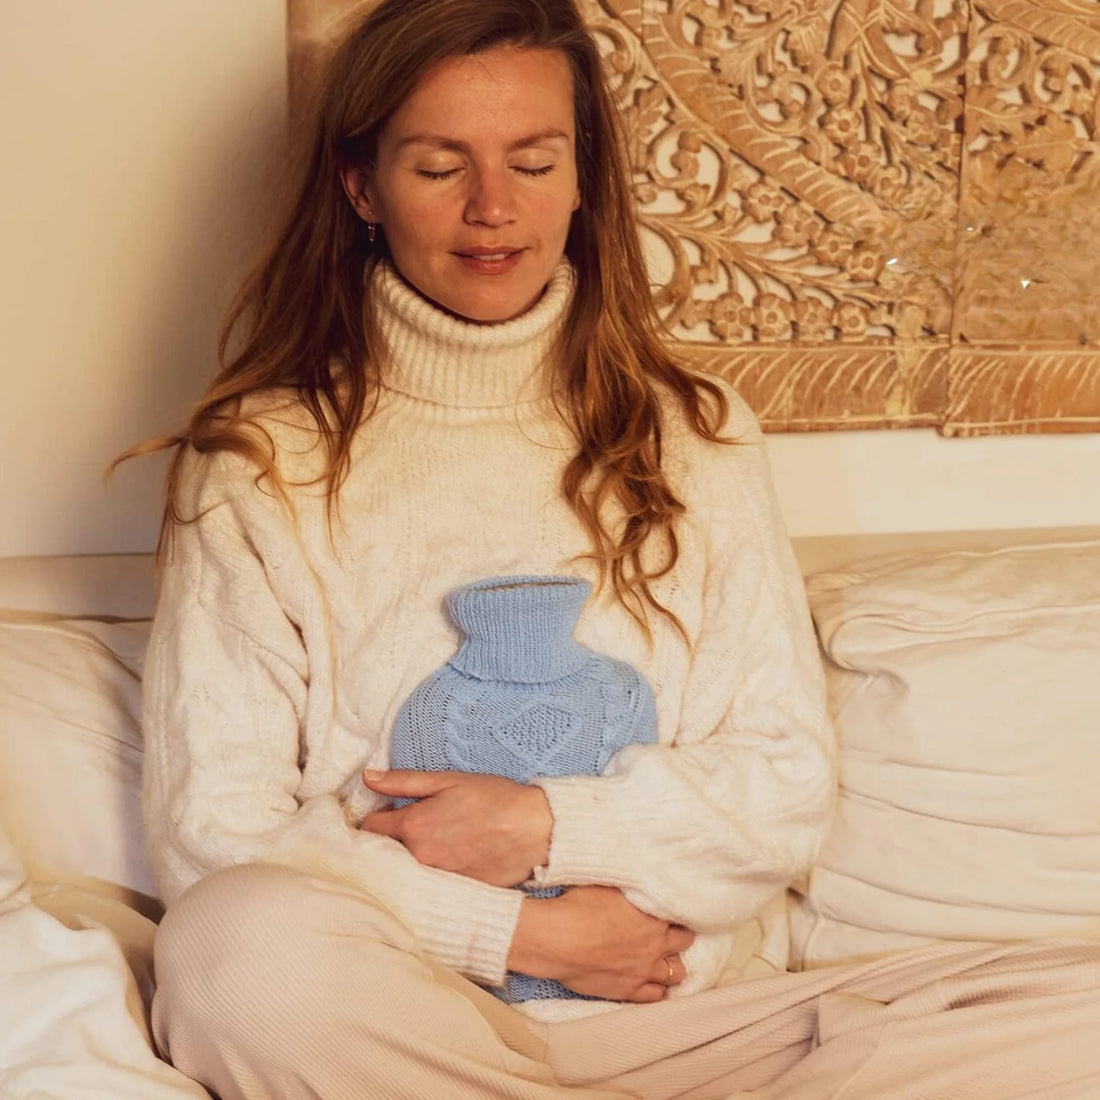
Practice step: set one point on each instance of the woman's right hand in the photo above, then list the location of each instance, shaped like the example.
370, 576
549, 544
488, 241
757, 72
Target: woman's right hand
594, 941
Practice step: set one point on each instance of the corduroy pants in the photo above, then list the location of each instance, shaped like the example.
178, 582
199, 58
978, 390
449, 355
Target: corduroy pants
272, 983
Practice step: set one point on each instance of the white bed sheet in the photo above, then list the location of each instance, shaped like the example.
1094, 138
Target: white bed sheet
72, 1024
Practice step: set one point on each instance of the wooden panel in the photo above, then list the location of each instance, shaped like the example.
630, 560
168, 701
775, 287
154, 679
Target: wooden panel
863, 214
1026, 324
794, 388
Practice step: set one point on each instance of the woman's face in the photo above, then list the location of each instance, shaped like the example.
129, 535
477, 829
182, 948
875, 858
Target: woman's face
476, 181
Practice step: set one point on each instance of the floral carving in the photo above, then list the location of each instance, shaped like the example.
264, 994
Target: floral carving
832, 180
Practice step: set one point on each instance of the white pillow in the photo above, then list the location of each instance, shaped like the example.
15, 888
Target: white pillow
70, 747
71, 1017
965, 687
14, 886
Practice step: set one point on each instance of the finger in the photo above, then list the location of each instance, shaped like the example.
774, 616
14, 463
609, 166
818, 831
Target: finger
650, 993
669, 970
406, 783
678, 939
385, 823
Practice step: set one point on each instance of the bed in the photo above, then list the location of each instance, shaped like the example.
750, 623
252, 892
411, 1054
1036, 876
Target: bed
963, 673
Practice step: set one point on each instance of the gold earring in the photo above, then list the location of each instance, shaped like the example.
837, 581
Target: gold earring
370, 232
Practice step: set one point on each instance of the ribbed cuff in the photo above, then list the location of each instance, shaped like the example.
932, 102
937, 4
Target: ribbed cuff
489, 916
591, 842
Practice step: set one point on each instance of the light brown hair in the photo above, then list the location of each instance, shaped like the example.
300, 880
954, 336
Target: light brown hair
300, 321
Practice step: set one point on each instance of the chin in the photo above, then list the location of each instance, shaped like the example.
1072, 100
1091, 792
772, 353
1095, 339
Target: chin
484, 300
490, 308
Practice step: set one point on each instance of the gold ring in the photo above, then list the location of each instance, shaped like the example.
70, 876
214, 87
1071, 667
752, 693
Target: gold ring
671, 972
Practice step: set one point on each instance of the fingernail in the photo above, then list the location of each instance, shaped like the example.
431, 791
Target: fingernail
372, 775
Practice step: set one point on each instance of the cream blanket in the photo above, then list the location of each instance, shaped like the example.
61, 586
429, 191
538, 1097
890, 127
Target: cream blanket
71, 1018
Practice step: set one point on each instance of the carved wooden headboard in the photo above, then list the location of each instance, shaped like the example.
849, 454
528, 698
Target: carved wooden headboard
864, 213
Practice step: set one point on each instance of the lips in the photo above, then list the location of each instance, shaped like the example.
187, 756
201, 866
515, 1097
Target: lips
501, 253
494, 260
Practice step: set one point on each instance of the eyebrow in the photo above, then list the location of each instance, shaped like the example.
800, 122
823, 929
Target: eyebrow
441, 142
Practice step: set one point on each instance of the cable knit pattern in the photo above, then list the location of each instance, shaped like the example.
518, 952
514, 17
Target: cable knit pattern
283, 649
522, 699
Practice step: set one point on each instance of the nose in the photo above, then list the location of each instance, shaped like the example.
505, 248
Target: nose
490, 201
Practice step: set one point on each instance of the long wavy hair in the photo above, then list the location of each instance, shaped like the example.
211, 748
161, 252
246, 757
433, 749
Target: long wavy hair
302, 321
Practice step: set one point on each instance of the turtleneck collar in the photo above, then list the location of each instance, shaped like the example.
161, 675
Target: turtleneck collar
437, 357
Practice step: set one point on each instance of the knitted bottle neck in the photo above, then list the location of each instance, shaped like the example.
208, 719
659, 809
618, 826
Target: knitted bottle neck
519, 629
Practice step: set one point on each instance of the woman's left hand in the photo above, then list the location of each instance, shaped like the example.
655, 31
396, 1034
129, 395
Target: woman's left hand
481, 826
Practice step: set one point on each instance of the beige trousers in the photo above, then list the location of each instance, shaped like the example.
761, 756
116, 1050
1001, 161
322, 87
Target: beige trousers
272, 984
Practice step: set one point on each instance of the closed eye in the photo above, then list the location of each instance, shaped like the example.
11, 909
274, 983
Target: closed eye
544, 171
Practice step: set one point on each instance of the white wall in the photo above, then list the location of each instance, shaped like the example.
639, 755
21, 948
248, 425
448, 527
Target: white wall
839, 482
141, 142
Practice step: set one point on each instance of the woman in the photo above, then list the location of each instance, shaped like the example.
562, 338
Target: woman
449, 371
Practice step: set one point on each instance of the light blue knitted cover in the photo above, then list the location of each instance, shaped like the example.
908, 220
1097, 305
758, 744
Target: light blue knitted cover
522, 699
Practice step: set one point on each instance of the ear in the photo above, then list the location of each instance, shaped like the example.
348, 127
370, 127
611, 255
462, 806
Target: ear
577, 200
357, 187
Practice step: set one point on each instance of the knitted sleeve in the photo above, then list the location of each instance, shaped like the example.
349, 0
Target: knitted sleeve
707, 830
234, 673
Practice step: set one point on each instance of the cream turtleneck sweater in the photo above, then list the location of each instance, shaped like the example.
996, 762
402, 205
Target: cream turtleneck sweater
280, 655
